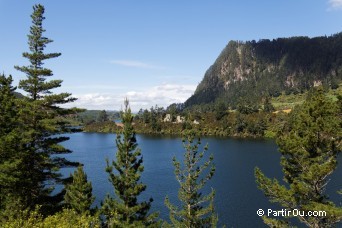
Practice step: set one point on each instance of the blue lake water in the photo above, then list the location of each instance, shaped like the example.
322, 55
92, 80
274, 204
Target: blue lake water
237, 197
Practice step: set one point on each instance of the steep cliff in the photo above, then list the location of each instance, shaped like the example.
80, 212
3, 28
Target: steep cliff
251, 70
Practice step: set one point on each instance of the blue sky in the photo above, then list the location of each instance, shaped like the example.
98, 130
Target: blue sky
153, 52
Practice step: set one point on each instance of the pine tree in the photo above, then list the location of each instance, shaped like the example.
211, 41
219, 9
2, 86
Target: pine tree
79, 193
124, 174
102, 117
268, 107
8, 110
309, 144
220, 110
10, 151
38, 112
197, 210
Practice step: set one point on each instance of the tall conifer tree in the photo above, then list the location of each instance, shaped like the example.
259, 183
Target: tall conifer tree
309, 144
124, 174
38, 113
197, 209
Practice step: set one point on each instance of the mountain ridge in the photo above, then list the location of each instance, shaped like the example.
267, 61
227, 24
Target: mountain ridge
252, 70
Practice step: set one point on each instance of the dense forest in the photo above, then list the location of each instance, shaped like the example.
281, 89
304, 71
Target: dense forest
32, 127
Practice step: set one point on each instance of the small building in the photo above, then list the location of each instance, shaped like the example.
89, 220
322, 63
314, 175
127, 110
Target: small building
180, 119
167, 118
196, 122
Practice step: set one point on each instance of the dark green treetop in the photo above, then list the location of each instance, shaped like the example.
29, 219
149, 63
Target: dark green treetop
8, 110
79, 193
220, 110
103, 116
11, 151
247, 106
268, 107
36, 84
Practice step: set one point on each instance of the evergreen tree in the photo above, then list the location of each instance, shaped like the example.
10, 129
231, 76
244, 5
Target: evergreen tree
154, 121
102, 117
79, 193
146, 117
247, 107
240, 123
197, 210
309, 144
268, 107
8, 110
124, 174
38, 112
11, 148
220, 110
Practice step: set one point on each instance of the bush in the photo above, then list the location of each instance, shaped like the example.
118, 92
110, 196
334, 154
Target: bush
65, 219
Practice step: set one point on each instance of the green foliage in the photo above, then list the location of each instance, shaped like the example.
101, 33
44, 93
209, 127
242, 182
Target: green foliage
79, 193
220, 110
233, 123
70, 218
64, 219
102, 117
91, 116
11, 152
38, 112
8, 111
146, 116
103, 127
247, 107
309, 143
154, 119
254, 124
268, 107
124, 174
197, 209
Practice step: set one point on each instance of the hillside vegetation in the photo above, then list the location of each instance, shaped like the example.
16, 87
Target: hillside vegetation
253, 70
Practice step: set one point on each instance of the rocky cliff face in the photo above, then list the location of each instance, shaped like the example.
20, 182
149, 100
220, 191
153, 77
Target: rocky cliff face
254, 69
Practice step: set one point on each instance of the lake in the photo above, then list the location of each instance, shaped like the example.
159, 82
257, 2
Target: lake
237, 197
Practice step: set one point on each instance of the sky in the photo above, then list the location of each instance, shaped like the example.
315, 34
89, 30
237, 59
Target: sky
154, 52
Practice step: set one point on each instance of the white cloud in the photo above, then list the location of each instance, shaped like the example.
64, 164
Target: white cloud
335, 4
162, 95
97, 87
137, 64
94, 101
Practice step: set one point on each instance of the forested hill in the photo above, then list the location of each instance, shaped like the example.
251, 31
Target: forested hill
252, 70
